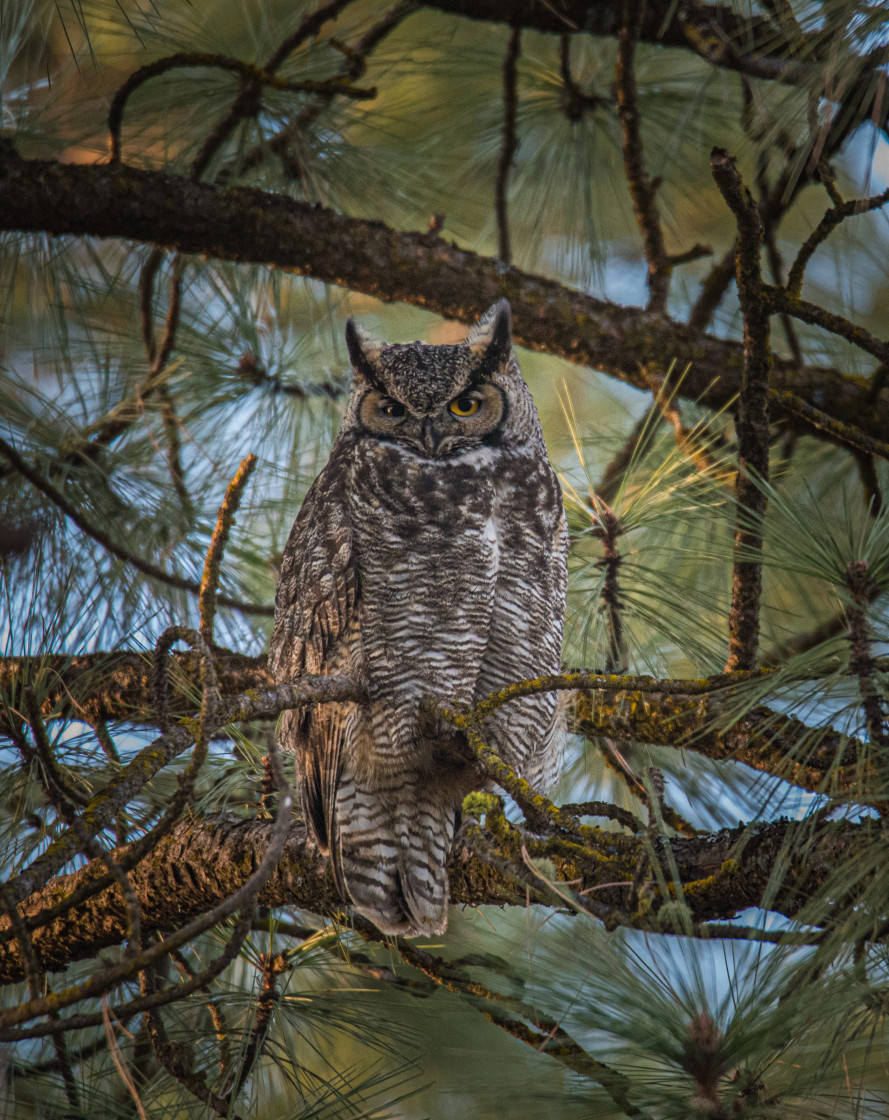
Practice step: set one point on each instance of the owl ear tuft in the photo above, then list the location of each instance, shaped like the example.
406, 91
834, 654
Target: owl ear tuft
364, 351
490, 340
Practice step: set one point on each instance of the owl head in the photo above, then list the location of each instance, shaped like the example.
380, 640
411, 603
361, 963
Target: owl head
439, 400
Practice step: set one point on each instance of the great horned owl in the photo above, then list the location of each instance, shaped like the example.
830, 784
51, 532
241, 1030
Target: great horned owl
428, 560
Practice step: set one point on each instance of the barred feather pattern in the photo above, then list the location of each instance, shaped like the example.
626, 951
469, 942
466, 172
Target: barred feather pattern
428, 560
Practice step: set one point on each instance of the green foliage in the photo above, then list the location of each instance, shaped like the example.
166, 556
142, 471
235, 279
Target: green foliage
778, 1012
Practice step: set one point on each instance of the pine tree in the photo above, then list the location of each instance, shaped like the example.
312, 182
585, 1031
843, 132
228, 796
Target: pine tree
682, 202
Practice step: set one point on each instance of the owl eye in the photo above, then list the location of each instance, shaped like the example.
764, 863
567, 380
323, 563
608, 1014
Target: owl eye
392, 409
465, 406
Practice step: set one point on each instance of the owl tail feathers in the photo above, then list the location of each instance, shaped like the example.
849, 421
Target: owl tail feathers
425, 829
395, 873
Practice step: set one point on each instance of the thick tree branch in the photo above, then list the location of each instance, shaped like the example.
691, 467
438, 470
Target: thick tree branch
118, 686
202, 862
248, 225
100, 813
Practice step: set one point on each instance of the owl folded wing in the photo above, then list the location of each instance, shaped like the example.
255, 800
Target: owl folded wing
315, 610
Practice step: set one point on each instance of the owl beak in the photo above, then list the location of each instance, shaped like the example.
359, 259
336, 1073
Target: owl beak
429, 435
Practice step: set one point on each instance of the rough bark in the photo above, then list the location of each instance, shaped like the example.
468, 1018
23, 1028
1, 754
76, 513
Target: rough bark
253, 226
751, 416
201, 862
118, 686
811, 758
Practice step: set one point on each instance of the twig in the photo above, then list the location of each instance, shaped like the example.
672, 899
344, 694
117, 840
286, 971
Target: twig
540, 813
773, 205
776, 266
846, 433
160, 358
353, 67
147, 274
687, 439
144, 566
642, 189
61, 792
121, 1066
224, 521
752, 423
309, 28
51, 1065
178, 1058
72, 1092
174, 449
510, 143
251, 370
248, 71
67, 800
214, 1008
712, 290
103, 432
248, 102
779, 299
272, 967
574, 101
604, 809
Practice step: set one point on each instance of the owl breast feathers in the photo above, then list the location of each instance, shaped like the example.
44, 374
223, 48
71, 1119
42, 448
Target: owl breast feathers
428, 561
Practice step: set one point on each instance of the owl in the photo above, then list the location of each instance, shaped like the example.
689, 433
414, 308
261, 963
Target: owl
428, 561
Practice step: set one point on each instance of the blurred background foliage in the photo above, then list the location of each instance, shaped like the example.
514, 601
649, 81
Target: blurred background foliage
259, 365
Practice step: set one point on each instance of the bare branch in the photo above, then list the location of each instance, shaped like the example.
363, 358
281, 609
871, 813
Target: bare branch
353, 67
248, 71
845, 433
642, 190
716, 32
752, 423
220, 850
510, 143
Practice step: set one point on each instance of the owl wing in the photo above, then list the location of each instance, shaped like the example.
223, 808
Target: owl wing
315, 608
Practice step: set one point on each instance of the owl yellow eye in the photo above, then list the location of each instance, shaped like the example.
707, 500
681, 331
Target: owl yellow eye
392, 409
465, 406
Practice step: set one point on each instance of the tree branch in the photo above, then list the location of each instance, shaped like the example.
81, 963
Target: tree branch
642, 190
248, 225
752, 46
752, 421
509, 143
686, 714
220, 852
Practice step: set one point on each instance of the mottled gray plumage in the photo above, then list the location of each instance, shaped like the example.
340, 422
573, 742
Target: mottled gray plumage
428, 560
